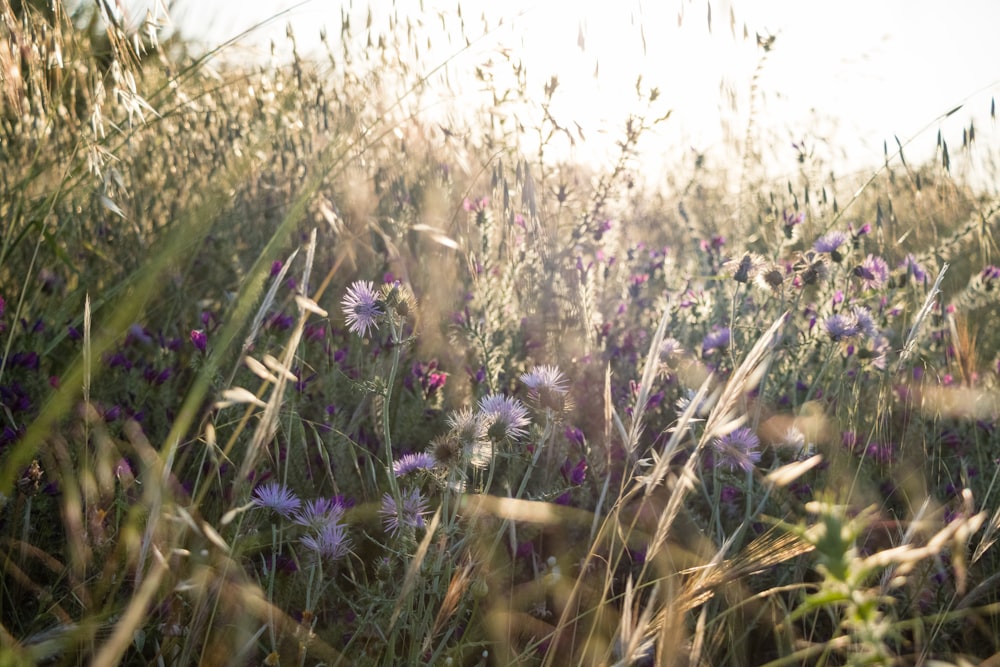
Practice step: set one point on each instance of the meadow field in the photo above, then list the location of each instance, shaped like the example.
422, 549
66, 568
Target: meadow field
294, 374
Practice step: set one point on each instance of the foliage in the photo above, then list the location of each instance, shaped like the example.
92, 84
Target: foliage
293, 375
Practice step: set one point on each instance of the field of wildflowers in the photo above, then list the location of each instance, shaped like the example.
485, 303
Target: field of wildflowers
291, 376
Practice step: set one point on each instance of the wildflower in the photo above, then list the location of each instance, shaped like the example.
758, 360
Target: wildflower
446, 450
737, 450
408, 463
410, 514
330, 543
830, 244
361, 307
670, 347
506, 417
277, 498
546, 384
841, 327
470, 430
746, 268
771, 278
714, 340
913, 268
199, 339
318, 513
795, 440
790, 224
873, 271
865, 324
575, 474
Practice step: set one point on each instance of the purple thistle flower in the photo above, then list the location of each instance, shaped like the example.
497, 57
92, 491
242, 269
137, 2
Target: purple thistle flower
546, 385
277, 498
506, 417
545, 378
318, 513
408, 463
865, 324
840, 327
737, 450
717, 339
361, 307
830, 243
410, 515
330, 543
470, 430
873, 271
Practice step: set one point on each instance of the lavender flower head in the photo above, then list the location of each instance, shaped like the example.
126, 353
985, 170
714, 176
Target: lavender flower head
276, 497
841, 327
546, 385
873, 272
506, 417
361, 307
319, 513
409, 515
830, 243
330, 543
717, 339
737, 450
409, 463
469, 429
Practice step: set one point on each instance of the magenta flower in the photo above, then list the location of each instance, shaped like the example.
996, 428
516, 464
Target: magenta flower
199, 339
361, 307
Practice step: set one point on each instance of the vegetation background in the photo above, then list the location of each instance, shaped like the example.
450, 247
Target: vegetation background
294, 372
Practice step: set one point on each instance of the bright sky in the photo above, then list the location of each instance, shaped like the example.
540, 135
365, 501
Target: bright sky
857, 71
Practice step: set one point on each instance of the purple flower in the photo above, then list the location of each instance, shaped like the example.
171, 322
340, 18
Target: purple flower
199, 339
830, 243
913, 268
866, 325
408, 463
840, 327
506, 417
469, 429
361, 307
409, 515
277, 498
545, 378
575, 474
873, 271
546, 385
320, 512
714, 340
330, 543
737, 450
